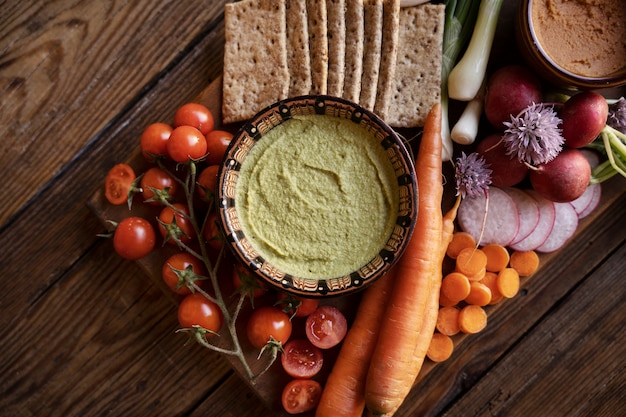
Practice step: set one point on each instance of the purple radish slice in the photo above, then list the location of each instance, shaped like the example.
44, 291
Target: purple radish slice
539, 235
528, 213
593, 203
565, 225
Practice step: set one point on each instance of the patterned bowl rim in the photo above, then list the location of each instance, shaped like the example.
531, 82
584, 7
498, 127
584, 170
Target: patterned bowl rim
246, 138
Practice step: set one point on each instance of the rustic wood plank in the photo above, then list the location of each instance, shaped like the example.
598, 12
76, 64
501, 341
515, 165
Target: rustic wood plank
57, 59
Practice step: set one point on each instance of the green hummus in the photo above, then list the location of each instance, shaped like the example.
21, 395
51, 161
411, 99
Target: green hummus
317, 196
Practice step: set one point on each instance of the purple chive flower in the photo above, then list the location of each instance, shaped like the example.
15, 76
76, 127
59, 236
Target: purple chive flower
617, 115
472, 175
534, 136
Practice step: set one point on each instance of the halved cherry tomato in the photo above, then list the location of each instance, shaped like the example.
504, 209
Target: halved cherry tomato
207, 181
181, 261
153, 141
217, 141
156, 178
266, 322
197, 310
244, 281
195, 115
301, 359
297, 306
186, 143
118, 182
326, 327
301, 395
185, 231
134, 238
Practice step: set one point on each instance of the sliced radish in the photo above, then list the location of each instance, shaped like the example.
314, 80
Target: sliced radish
593, 202
528, 210
592, 156
547, 215
581, 203
501, 223
565, 225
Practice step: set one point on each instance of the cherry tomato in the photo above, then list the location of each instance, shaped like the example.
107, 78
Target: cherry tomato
180, 261
167, 216
265, 322
301, 359
153, 141
211, 232
244, 281
207, 181
134, 238
297, 306
195, 115
326, 327
217, 142
197, 310
157, 179
186, 143
118, 182
301, 395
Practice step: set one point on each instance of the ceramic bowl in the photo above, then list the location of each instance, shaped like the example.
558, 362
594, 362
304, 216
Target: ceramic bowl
237, 208
536, 56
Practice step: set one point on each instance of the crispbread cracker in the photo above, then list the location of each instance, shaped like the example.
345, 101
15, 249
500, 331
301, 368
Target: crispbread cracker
336, 27
354, 50
318, 44
298, 55
391, 30
373, 18
255, 58
417, 85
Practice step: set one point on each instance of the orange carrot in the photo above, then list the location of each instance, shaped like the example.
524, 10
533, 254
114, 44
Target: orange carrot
441, 348
445, 302
448, 321
455, 286
479, 294
472, 319
497, 257
390, 376
525, 263
491, 281
344, 391
460, 241
472, 263
508, 282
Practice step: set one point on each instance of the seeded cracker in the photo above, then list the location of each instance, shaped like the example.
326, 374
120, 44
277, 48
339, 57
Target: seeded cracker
354, 50
336, 27
373, 21
255, 58
391, 31
417, 85
318, 44
298, 55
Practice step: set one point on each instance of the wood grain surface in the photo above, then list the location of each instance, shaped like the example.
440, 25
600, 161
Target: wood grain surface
85, 333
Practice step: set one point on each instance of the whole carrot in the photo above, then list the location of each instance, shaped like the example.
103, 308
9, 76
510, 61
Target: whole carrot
387, 381
344, 390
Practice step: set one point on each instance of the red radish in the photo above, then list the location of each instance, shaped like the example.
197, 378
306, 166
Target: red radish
582, 202
565, 225
547, 216
584, 116
506, 171
528, 210
509, 91
593, 203
500, 225
564, 178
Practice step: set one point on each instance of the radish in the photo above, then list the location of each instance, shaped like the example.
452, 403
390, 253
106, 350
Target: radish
564, 178
594, 201
584, 116
506, 171
547, 217
565, 225
528, 210
498, 224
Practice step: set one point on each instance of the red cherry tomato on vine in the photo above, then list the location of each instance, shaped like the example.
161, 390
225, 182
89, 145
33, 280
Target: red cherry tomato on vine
301, 395
195, 115
197, 310
134, 238
180, 212
217, 142
156, 178
211, 232
297, 306
118, 182
207, 181
186, 143
326, 327
266, 322
244, 281
301, 359
153, 141
181, 261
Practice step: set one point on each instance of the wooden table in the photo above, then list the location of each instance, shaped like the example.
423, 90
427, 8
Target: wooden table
83, 332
